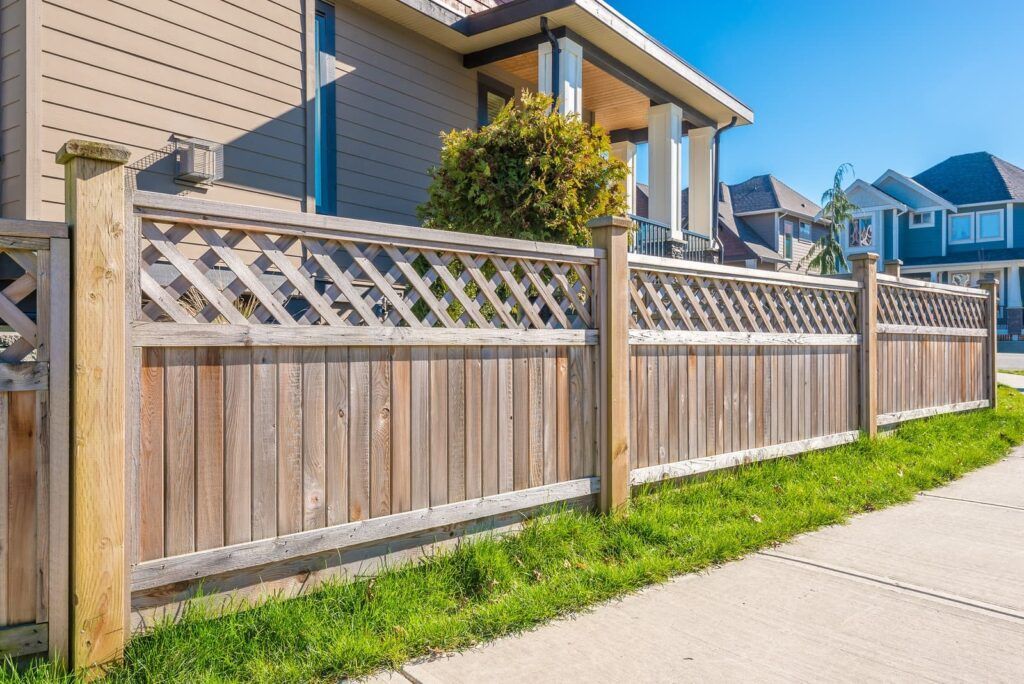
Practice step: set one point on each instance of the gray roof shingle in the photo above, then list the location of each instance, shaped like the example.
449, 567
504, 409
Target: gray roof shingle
975, 177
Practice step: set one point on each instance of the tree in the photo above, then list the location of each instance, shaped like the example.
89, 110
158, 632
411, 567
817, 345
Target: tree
827, 253
532, 174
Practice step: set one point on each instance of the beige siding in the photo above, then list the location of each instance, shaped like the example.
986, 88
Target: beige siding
395, 93
233, 72
136, 73
12, 108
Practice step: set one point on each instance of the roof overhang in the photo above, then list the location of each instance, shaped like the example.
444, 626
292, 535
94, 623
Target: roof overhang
593, 21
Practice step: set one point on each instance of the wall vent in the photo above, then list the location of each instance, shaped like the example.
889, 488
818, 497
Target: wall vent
199, 162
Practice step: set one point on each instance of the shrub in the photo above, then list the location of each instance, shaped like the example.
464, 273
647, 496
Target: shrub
531, 174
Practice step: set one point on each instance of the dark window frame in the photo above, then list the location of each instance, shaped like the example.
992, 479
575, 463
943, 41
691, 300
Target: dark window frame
486, 86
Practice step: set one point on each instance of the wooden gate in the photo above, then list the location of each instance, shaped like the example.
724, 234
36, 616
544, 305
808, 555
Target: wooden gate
34, 473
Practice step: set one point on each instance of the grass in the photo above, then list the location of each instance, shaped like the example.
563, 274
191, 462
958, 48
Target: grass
566, 562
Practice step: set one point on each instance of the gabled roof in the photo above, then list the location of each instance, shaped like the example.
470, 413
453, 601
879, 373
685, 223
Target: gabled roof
974, 178
867, 196
768, 193
910, 192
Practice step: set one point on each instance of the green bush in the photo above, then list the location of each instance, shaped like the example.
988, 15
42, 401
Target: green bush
531, 174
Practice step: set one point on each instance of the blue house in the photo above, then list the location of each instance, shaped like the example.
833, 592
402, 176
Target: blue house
958, 221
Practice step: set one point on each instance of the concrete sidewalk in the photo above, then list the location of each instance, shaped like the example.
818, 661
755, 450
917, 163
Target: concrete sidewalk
929, 591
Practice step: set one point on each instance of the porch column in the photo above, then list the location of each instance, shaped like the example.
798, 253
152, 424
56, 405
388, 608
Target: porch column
626, 152
702, 164
665, 143
1014, 312
570, 75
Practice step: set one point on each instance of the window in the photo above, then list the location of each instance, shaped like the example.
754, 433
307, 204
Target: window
990, 225
789, 247
325, 186
961, 228
961, 279
922, 219
861, 232
492, 96
805, 231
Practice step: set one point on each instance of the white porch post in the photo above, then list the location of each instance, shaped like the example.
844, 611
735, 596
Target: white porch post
1013, 288
702, 180
570, 75
665, 146
626, 151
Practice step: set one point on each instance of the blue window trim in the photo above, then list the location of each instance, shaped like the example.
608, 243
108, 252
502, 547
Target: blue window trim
325, 119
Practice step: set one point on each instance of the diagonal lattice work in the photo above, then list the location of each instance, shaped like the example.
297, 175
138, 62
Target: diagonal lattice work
707, 303
199, 274
19, 338
930, 308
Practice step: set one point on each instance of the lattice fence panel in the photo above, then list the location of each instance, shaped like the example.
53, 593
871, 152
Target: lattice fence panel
699, 302
20, 331
194, 274
929, 308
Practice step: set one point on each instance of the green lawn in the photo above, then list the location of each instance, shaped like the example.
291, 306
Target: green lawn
563, 563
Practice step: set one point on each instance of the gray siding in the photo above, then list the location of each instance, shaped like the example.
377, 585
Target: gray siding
12, 108
395, 93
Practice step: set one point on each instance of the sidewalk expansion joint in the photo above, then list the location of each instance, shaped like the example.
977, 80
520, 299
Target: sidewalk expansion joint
903, 587
972, 501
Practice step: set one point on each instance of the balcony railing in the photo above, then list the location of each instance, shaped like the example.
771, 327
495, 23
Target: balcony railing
655, 239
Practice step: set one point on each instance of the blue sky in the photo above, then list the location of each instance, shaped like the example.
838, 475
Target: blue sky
897, 84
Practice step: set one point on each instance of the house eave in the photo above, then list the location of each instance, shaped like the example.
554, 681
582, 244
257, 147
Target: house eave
593, 20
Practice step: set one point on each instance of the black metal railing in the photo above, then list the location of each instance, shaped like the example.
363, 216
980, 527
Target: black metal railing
652, 238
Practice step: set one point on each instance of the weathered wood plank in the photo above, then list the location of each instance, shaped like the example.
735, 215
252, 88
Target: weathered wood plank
238, 451
380, 433
289, 440
337, 427
489, 431
264, 443
456, 424
438, 426
421, 440
473, 421
179, 502
359, 434
401, 430
151, 466
314, 438
210, 425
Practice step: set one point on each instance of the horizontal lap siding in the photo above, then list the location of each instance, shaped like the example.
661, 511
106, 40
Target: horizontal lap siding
134, 74
925, 371
12, 108
239, 444
694, 402
396, 92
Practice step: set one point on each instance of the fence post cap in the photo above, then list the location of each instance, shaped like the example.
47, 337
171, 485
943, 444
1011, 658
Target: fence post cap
90, 149
892, 262
870, 257
988, 279
610, 222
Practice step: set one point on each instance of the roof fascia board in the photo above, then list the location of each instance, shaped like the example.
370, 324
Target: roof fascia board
888, 201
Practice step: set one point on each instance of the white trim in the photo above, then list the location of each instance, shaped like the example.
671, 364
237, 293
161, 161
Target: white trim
1009, 225
945, 240
896, 233
961, 265
993, 203
977, 226
1012, 287
814, 218
931, 220
671, 471
194, 566
873, 247
949, 229
888, 419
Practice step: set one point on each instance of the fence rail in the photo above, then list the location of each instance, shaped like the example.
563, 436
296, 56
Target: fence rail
272, 399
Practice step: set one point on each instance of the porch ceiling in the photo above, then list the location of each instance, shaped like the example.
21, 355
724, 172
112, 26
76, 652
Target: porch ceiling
616, 105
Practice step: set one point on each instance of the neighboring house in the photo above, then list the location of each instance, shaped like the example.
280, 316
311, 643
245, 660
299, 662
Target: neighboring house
331, 107
954, 223
762, 223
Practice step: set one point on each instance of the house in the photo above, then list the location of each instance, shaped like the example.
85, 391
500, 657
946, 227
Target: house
332, 107
762, 223
953, 223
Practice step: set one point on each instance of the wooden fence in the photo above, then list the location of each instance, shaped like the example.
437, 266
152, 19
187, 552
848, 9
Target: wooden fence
263, 400
34, 299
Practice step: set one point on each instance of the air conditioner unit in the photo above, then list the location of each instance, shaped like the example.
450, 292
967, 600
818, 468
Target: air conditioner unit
199, 162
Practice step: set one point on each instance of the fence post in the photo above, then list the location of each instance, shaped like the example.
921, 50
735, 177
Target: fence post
612, 235
991, 285
95, 198
893, 267
865, 270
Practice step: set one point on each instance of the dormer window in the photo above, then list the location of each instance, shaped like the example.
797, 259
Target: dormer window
922, 219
